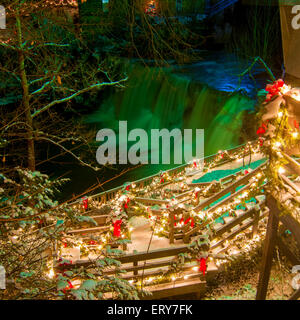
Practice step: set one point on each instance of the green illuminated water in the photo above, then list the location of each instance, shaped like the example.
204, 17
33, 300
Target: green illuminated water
160, 98
156, 98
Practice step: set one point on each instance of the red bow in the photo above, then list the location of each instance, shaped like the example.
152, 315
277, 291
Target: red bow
273, 89
127, 188
195, 164
85, 202
202, 265
68, 287
261, 130
117, 228
188, 220
126, 203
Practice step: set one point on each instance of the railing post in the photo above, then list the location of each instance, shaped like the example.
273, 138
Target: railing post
197, 198
268, 249
256, 216
186, 239
135, 264
171, 226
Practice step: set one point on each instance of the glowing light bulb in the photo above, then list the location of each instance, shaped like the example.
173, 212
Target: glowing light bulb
295, 135
51, 274
277, 144
280, 114
285, 89
281, 170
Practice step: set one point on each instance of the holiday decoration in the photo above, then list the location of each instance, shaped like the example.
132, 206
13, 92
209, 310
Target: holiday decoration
117, 228
281, 113
274, 89
169, 204
202, 265
85, 203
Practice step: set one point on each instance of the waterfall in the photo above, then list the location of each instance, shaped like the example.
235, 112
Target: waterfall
156, 98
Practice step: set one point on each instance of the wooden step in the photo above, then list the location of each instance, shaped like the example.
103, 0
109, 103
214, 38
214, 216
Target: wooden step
176, 288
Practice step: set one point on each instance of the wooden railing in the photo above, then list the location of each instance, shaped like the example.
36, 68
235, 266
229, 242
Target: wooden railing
231, 189
106, 196
102, 228
142, 265
156, 262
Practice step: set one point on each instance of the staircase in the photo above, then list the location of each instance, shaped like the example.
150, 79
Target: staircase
212, 10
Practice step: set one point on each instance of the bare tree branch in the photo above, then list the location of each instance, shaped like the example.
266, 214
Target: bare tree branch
69, 152
46, 84
94, 86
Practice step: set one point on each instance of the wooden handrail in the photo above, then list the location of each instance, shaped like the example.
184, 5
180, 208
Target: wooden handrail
151, 201
149, 178
223, 202
89, 230
228, 189
290, 183
293, 164
231, 224
140, 256
236, 232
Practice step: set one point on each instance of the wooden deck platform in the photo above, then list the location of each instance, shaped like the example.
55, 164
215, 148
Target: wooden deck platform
149, 255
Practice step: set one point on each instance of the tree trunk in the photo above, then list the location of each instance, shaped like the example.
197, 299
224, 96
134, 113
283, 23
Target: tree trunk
90, 13
25, 100
178, 6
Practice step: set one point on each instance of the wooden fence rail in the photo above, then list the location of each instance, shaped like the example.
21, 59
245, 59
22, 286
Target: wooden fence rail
106, 196
135, 265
